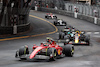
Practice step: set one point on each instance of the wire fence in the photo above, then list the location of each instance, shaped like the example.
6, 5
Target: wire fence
83, 9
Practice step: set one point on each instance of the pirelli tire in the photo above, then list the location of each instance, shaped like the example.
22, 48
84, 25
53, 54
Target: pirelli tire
52, 53
55, 23
23, 51
45, 16
68, 50
82, 37
64, 23
61, 35
87, 39
55, 17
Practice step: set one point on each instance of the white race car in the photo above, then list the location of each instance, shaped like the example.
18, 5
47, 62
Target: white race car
60, 22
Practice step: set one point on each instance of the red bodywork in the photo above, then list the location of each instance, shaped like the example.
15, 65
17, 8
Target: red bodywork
37, 49
50, 14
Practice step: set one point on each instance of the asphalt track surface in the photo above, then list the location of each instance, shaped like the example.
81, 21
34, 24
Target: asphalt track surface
85, 56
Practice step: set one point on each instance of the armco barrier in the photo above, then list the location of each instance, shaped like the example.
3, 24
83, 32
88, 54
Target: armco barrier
87, 18
67, 13
98, 21
9, 29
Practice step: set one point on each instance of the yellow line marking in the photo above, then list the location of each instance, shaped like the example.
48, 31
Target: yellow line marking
33, 35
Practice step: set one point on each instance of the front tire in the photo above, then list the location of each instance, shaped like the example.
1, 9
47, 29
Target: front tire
22, 51
55, 17
52, 53
45, 16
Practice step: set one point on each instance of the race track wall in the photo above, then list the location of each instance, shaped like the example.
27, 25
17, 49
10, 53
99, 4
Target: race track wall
71, 14
9, 29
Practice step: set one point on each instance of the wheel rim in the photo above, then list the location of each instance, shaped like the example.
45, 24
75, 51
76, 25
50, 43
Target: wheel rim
54, 57
55, 54
72, 51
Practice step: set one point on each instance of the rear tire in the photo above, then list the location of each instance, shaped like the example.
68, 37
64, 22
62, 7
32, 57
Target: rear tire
61, 35
87, 39
65, 23
69, 50
54, 23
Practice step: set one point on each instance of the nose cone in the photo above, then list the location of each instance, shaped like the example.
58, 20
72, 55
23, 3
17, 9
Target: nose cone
76, 41
35, 52
31, 57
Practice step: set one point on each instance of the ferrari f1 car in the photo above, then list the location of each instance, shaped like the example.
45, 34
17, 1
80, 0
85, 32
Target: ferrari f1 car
50, 16
60, 22
76, 38
48, 50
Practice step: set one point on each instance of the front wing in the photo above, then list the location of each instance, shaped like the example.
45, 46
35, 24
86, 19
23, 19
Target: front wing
79, 43
36, 56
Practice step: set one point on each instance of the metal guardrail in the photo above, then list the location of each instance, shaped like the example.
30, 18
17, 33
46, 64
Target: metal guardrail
88, 18
83, 9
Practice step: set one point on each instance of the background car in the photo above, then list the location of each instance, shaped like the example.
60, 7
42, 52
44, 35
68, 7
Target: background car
68, 30
80, 38
75, 38
50, 16
60, 22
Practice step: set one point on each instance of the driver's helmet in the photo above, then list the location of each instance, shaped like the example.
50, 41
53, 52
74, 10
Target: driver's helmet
77, 33
49, 40
44, 44
26, 46
50, 13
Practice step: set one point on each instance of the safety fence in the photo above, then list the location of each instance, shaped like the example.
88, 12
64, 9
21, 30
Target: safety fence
90, 19
84, 9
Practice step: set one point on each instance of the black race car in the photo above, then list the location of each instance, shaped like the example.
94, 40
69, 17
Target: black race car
75, 38
80, 38
50, 16
60, 22
68, 30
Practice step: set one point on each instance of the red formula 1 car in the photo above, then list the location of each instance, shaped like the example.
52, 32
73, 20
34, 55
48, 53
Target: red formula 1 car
49, 50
